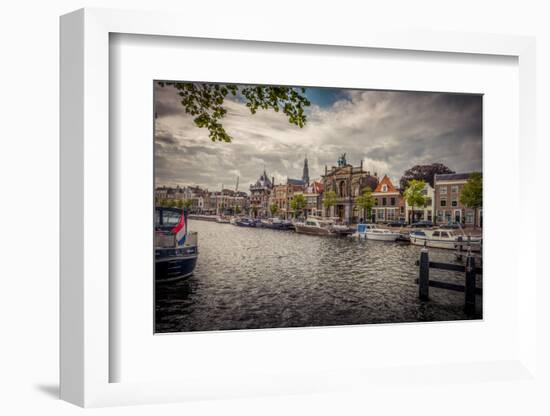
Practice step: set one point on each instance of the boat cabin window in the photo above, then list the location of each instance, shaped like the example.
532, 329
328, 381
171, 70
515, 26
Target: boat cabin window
444, 235
170, 218
435, 234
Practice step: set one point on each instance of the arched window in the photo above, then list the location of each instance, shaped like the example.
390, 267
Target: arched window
343, 188
384, 188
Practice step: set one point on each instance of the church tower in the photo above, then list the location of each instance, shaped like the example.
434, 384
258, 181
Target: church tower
305, 175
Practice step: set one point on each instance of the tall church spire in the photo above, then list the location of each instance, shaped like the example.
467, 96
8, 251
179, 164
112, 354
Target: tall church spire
305, 174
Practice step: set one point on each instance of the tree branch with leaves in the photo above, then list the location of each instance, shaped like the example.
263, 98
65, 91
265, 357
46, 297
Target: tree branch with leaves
472, 194
414, 195
205, 102
365, 202
329, 199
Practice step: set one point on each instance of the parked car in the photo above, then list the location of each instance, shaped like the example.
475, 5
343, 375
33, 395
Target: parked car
422, 224
398, 223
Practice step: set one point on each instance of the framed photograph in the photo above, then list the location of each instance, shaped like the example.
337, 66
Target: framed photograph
285, 222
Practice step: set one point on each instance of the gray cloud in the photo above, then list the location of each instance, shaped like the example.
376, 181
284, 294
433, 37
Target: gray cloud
390, 131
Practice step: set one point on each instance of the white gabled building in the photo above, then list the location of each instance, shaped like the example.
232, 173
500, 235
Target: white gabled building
425, 213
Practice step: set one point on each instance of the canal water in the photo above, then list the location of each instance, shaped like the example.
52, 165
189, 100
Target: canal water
249, 278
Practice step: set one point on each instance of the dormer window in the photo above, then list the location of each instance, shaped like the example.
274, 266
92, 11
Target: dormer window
384, 188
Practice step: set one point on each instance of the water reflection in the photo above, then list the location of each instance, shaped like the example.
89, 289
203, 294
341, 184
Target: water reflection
260, 278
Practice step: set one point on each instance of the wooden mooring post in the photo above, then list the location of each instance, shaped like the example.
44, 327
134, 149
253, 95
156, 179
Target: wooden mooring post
424, 275
470, 285
469, 288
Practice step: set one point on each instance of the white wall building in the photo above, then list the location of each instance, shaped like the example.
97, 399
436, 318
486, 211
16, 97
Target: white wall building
425, 213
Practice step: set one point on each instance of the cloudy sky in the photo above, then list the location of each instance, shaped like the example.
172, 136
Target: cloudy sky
390, 131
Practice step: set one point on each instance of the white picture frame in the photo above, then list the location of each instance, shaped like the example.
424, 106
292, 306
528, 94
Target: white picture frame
85, 211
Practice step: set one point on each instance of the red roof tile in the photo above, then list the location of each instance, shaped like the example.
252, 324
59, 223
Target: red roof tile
385, 181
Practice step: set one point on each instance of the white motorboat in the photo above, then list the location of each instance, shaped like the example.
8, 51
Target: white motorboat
443, 238
372, 232
315, 226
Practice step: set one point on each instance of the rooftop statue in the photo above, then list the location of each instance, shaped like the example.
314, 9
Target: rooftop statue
342, 160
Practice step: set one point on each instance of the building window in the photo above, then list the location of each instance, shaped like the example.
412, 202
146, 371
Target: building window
392, 201
384, 201
469, 217
454, 202
428, 202
439, 216
380, 214
454, 189
443, 202
342, 189
447, 216
384, 188
443, 191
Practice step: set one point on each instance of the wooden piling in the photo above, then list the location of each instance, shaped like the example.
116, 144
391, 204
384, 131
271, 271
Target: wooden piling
424, 275
470, 285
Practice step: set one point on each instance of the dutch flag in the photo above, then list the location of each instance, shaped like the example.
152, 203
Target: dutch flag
180, 230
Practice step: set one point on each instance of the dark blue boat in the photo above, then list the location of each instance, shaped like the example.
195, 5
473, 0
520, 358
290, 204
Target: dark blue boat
246, 222
176, 248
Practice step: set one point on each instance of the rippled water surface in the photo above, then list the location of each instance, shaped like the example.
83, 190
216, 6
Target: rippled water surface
261, 278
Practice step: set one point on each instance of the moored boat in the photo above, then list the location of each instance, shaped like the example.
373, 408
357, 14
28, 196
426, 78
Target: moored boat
176, 248
315, 226
222, 220
245, 222
444, 238
276, 224
372, 232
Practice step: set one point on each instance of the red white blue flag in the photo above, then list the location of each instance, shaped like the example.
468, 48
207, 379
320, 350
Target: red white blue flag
180, 230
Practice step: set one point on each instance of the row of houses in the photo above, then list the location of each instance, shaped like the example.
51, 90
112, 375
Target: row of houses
344, 181
442, 201
203, 201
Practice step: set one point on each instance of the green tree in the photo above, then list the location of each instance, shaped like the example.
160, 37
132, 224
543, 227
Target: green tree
472, 194
187, 203
205, 101
237, 209
414, 195
170, 203
365, 202
273, 209
298, 203
329, 199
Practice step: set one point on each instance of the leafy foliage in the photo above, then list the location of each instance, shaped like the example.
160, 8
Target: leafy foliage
424, 172
205, 102
298, 203
413, 193
365, 201
472, 193
273, 209
329, 199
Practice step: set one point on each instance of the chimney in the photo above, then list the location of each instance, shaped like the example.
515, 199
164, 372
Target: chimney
361, 165
325, 170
